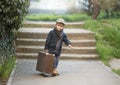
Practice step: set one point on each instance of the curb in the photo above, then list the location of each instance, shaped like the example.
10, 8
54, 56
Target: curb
11, 75
107, 67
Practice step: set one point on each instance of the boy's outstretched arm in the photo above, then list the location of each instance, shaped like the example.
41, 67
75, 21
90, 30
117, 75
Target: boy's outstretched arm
67, 42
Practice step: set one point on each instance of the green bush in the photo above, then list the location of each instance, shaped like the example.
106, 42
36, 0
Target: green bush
12, 13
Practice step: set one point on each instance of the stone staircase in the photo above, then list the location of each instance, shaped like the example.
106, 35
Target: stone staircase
31, 40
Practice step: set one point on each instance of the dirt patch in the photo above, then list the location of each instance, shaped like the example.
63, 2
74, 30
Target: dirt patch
115, 63
3, 82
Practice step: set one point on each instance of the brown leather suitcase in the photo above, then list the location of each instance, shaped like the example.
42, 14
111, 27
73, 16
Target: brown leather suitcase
45, 62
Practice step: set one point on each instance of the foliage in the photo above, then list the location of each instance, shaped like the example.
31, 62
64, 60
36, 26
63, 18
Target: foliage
104, 52
107, 36
0, 67
53, 17
12, 13
11, 17
112, 36
6, 67
111, 7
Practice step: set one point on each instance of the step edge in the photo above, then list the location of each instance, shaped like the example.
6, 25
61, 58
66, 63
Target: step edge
61, 54
41, 47
83, 40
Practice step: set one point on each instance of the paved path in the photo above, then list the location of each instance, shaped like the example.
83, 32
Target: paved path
72, 72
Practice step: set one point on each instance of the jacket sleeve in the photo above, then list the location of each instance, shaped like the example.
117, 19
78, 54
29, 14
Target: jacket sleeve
48, 40
65, 40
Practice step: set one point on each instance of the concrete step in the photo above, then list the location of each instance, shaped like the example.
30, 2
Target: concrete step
31, 40
41, 24
40, 33
76, 50
41, 42
63, 56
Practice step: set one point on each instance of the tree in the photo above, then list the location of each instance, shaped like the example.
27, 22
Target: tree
111, 7
12, 13
96, 8
93, 8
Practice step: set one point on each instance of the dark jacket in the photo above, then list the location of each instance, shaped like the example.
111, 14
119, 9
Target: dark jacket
54, 43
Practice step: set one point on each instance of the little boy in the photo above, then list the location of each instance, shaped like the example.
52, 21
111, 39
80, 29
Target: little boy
54, 41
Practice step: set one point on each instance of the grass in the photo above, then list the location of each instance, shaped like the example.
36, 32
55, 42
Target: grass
117, 71
104, 52
107, 36
54, 17
68, 17
6, 68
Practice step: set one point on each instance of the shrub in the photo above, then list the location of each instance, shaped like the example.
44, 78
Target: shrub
12, 13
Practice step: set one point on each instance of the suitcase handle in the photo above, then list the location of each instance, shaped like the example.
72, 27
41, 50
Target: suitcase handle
46, 53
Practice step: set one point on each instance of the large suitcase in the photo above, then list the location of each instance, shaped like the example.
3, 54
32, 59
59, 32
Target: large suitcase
45, 62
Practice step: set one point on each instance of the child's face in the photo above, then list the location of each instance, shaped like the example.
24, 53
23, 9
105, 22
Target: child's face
59, 26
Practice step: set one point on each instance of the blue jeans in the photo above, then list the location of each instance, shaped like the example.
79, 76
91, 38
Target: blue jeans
56, 61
